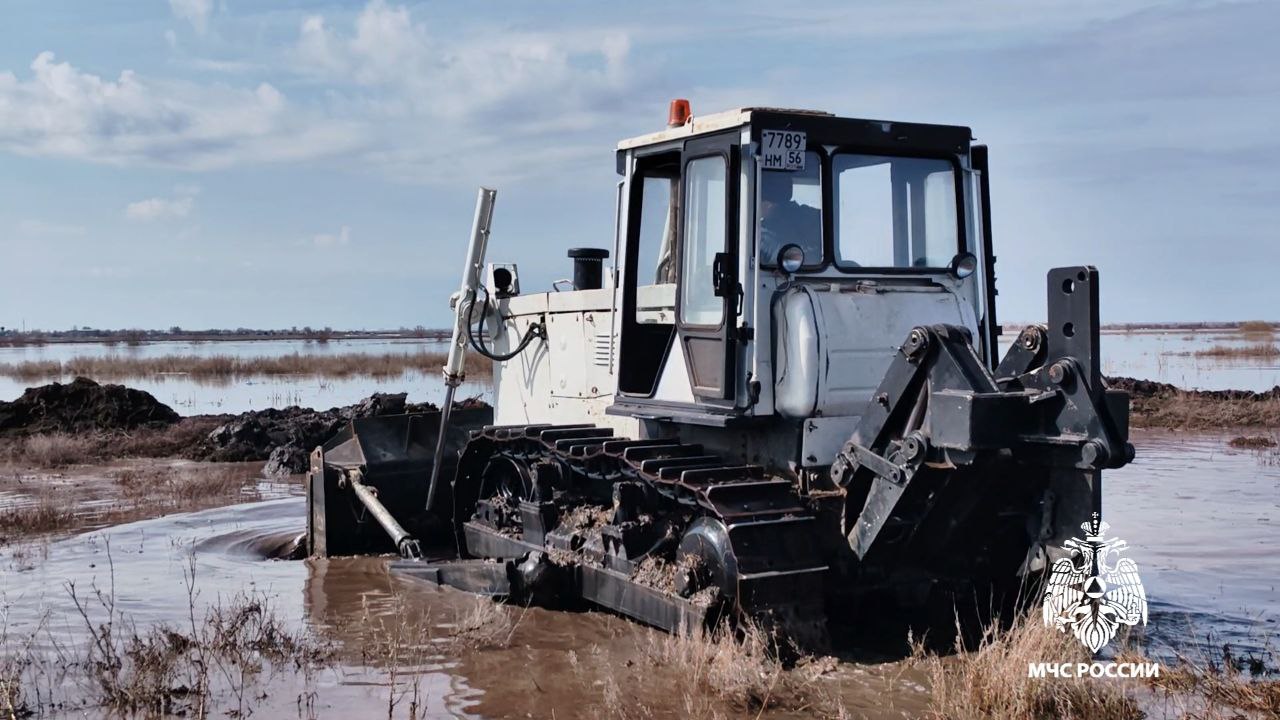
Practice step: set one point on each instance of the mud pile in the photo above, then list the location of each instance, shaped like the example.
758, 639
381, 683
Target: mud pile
83, 405
1143, 389
1161, 405
285, 437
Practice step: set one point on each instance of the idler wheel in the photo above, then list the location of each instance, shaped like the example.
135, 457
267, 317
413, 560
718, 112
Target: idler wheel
705, 558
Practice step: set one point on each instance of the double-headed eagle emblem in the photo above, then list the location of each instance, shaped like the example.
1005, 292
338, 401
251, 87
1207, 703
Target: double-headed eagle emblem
1094, 591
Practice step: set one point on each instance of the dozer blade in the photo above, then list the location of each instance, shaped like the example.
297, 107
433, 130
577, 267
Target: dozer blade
390, 459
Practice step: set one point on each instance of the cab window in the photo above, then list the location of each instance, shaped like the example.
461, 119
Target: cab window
894, 212
791, 211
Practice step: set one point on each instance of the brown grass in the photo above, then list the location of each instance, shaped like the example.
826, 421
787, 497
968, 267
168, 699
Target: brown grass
134, 493
1257, 350
484, 624
1161, 405
56, 450
1186, 410
44, 517
53, 450
1252, 442
739, 672
225, 367
992, 681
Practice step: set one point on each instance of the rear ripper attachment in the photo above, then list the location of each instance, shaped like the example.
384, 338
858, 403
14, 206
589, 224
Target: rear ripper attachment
657, 530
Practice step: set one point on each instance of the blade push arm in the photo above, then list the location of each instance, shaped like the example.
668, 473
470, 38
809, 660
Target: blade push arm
939, 405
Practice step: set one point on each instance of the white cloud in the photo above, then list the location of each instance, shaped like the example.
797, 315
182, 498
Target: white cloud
157, 208
448, 72
64, 112
343, 237
196, 12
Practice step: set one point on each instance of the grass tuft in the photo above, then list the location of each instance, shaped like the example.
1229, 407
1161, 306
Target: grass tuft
992, 681
1256, 350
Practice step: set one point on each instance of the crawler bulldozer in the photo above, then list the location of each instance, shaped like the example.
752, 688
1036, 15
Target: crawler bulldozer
784, 400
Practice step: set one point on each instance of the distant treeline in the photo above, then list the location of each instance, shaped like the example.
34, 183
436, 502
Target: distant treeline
11, 337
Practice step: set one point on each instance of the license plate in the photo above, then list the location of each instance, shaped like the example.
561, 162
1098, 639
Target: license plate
782, 149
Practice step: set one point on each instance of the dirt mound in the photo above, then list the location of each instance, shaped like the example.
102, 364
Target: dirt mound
1161, 405
1142, 389
285, 437
82, 405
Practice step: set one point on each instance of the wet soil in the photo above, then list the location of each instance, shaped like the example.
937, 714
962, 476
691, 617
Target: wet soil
1161, 405
83, 405
112, 421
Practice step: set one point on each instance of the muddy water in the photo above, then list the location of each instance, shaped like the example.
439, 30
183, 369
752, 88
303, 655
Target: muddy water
564, 665
1202, 522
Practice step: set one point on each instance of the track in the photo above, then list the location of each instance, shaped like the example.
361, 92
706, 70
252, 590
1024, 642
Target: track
735, 538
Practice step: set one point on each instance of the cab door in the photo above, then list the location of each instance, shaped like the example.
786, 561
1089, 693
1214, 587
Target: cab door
708, 291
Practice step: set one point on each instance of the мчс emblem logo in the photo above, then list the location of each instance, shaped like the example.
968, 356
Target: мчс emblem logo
1094, 591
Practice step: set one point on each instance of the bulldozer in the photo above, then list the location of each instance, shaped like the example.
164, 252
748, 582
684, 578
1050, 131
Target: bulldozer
784, 401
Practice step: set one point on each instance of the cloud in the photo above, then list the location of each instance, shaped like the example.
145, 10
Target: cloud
158, 208
326, 240
61, 111
196, 12
451, 98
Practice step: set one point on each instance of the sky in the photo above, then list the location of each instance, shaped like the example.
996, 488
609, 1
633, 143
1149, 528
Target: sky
242, 163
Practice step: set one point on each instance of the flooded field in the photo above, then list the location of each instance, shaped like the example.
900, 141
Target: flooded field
140, 548
190, 396
1164, 356
1202, 521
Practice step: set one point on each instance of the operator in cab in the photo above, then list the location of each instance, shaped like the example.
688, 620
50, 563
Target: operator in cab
784, 220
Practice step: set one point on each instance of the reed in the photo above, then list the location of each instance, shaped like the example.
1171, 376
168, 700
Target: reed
1255, 350
223, 367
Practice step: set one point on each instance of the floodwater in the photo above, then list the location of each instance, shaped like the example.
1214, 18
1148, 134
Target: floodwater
556, 664
189, 396
1165, 356
1170, 356
1202, 522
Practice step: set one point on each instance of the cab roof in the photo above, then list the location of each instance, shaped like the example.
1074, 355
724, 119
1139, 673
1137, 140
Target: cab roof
702, 124
822, 127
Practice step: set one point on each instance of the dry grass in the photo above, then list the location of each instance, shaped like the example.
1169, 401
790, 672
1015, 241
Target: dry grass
992, 681
133, 493
1252, 442
1260, 330
1257, 326
1189, 410
57, 450
485, 624
53, 450
213, 664
226, 367
45, 517
739, 672
1258, 350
